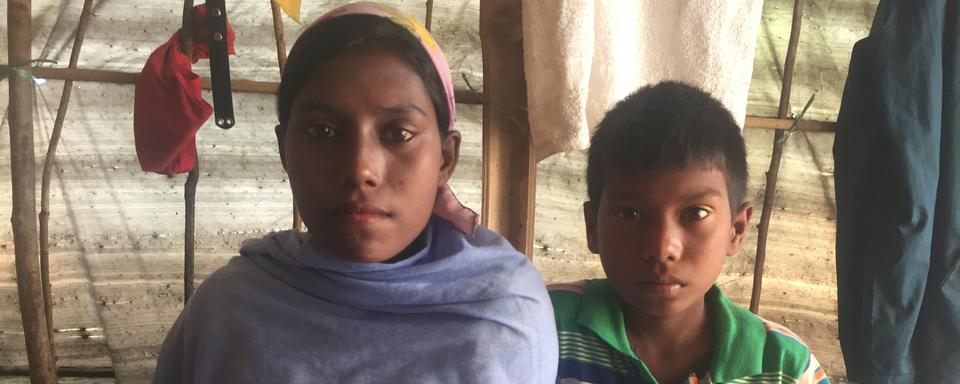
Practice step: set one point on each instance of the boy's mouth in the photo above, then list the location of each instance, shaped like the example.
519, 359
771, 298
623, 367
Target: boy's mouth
660, 286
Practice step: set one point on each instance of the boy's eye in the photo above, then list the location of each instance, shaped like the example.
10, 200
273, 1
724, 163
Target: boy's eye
397, 135
626, 213
695, 213
324, 131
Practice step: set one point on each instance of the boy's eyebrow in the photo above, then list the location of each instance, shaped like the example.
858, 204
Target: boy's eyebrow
705, 192
698, 194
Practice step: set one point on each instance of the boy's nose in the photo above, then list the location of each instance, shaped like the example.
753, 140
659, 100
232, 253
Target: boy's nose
664, 243
363, 163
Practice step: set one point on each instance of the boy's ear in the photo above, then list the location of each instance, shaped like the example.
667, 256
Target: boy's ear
590, 219
280, 130
450, 153
741, 221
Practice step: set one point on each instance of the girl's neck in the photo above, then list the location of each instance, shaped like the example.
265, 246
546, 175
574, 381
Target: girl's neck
416, 246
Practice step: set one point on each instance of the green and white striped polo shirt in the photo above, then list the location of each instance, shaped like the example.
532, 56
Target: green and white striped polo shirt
748, 349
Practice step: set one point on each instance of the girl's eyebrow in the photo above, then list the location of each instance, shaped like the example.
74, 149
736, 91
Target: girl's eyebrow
401, 109
308, 106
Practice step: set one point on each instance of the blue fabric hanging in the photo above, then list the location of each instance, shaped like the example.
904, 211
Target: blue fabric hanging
898, 197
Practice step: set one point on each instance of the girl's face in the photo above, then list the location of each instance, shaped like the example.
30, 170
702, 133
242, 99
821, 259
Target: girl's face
364, 154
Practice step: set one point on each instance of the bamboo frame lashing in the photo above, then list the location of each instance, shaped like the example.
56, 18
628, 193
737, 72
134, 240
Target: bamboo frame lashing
763, 229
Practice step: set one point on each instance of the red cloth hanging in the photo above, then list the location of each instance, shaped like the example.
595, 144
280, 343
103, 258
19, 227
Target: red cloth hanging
168, 108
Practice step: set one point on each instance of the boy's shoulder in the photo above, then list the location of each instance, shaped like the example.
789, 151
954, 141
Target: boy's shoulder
568, 292
745, 324
770, 347
792, 352
566, 298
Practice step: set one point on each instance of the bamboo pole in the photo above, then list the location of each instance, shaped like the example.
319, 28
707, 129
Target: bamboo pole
24, 212
428, 20
71, 372
773, 172
509, 164
190, 186
278, 35
463, 96
282, 62
189, 229
48, 162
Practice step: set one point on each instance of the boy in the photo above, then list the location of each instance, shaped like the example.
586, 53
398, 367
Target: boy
666, 178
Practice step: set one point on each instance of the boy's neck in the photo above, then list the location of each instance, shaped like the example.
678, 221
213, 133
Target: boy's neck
672, 347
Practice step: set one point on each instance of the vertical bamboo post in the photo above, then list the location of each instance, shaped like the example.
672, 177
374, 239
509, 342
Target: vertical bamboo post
24, 212
190, 186
48, 162
278, 35
428, 19
509, 164
773, 172
282, 62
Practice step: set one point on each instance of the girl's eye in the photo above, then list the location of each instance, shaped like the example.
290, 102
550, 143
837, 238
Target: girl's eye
324, 131
695, 213
626, 213
397, 135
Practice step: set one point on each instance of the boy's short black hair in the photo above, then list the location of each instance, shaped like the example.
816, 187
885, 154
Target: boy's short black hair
669, 125
339, 35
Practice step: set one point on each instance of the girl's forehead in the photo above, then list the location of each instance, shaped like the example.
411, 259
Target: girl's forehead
375, 70
371, 87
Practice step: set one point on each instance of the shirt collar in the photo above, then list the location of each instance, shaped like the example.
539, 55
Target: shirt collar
736, 350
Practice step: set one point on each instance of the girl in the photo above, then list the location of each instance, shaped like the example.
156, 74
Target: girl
393, 282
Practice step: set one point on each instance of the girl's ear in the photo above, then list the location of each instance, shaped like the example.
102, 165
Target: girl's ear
280, 130
450, 151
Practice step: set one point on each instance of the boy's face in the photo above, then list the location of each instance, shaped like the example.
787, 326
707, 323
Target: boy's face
663, 235
365, 156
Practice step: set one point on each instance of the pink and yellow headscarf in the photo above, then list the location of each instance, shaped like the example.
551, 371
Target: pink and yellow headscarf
415, 28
